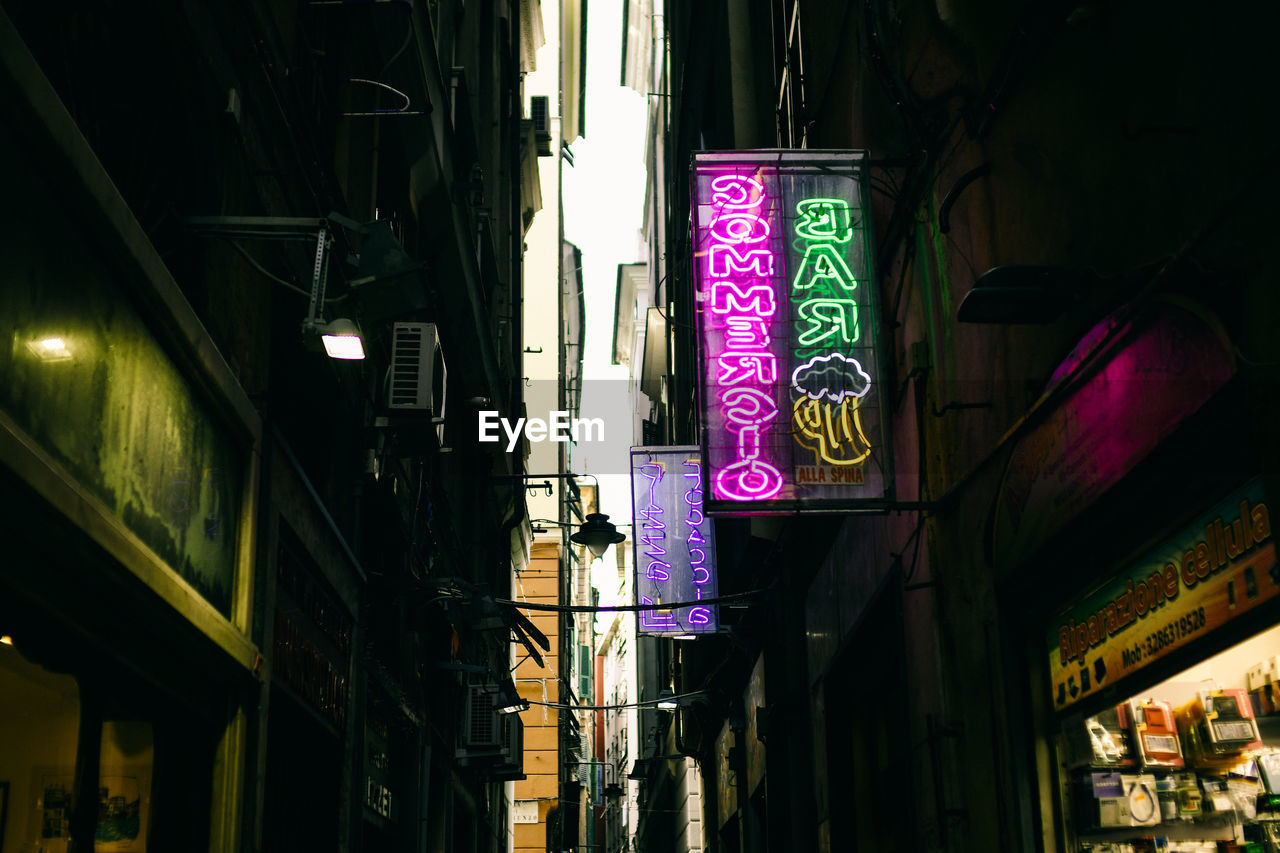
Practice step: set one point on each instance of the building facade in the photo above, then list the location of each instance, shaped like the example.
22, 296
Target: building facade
250, 602
1067, 219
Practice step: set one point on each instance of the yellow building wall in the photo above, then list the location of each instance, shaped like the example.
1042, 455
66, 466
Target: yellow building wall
539, 583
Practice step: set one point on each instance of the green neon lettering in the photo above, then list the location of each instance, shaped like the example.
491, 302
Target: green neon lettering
822, 264
828, 318
824, 219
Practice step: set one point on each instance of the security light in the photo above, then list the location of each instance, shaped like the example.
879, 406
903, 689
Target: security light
342, 339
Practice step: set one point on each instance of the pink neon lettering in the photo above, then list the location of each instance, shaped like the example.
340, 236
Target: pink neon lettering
749, 480
746, 333
736, 191
739, 367
725, 260
728, 296
743, 299
700, 615
748, 407
740, 227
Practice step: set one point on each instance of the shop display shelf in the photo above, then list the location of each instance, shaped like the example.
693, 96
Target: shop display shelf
1211, 827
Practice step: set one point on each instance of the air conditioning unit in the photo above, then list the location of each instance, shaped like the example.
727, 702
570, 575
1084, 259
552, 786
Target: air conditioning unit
418, 379
482, 726
509, 764
540, 113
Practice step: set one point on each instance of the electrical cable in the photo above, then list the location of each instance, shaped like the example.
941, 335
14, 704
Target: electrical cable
277, 279
645, 703
739, 597
260, 268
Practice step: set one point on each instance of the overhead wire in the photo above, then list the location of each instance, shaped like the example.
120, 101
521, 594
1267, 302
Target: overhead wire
734, 598
643, 703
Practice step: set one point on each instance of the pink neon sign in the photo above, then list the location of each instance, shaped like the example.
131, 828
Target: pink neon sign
746, 327
791, 414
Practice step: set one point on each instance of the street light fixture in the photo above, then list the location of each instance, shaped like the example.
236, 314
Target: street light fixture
640, 768
341, 336
509, 700
597, 533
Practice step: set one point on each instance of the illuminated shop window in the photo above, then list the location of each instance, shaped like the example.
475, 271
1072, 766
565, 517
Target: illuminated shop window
39, 728
1195, 758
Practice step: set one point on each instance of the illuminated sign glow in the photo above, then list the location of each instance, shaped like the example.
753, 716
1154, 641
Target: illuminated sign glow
674, 544
792, 415
744, 301
1213, 570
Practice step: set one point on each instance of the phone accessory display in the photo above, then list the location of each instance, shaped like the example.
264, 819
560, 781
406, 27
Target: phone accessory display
1102, 741
1217, 726
1109, 800
1155, 734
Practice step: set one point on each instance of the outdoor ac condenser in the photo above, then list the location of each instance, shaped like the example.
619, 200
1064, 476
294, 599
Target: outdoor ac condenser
482, 727
418, 374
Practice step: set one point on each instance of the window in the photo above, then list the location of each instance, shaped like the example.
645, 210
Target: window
39, 730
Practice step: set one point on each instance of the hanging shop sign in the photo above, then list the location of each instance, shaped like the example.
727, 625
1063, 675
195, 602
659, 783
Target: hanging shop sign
792, 410
675, 554
1219, 567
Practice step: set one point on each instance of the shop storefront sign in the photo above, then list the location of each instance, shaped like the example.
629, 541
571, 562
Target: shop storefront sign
787, 318
1219, 567
675, 553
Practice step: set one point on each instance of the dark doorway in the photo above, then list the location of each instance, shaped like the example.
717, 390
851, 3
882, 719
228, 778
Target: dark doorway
868, 749
304, 770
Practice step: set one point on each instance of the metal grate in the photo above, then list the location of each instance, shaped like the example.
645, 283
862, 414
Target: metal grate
482, 717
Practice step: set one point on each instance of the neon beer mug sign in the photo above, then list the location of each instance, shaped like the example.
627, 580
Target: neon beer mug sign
790, 392
673, 540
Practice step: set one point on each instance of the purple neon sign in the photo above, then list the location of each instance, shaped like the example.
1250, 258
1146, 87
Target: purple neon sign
791, 411
674, 543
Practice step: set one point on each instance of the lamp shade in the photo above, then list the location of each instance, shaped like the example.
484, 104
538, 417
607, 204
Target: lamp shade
597, 533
